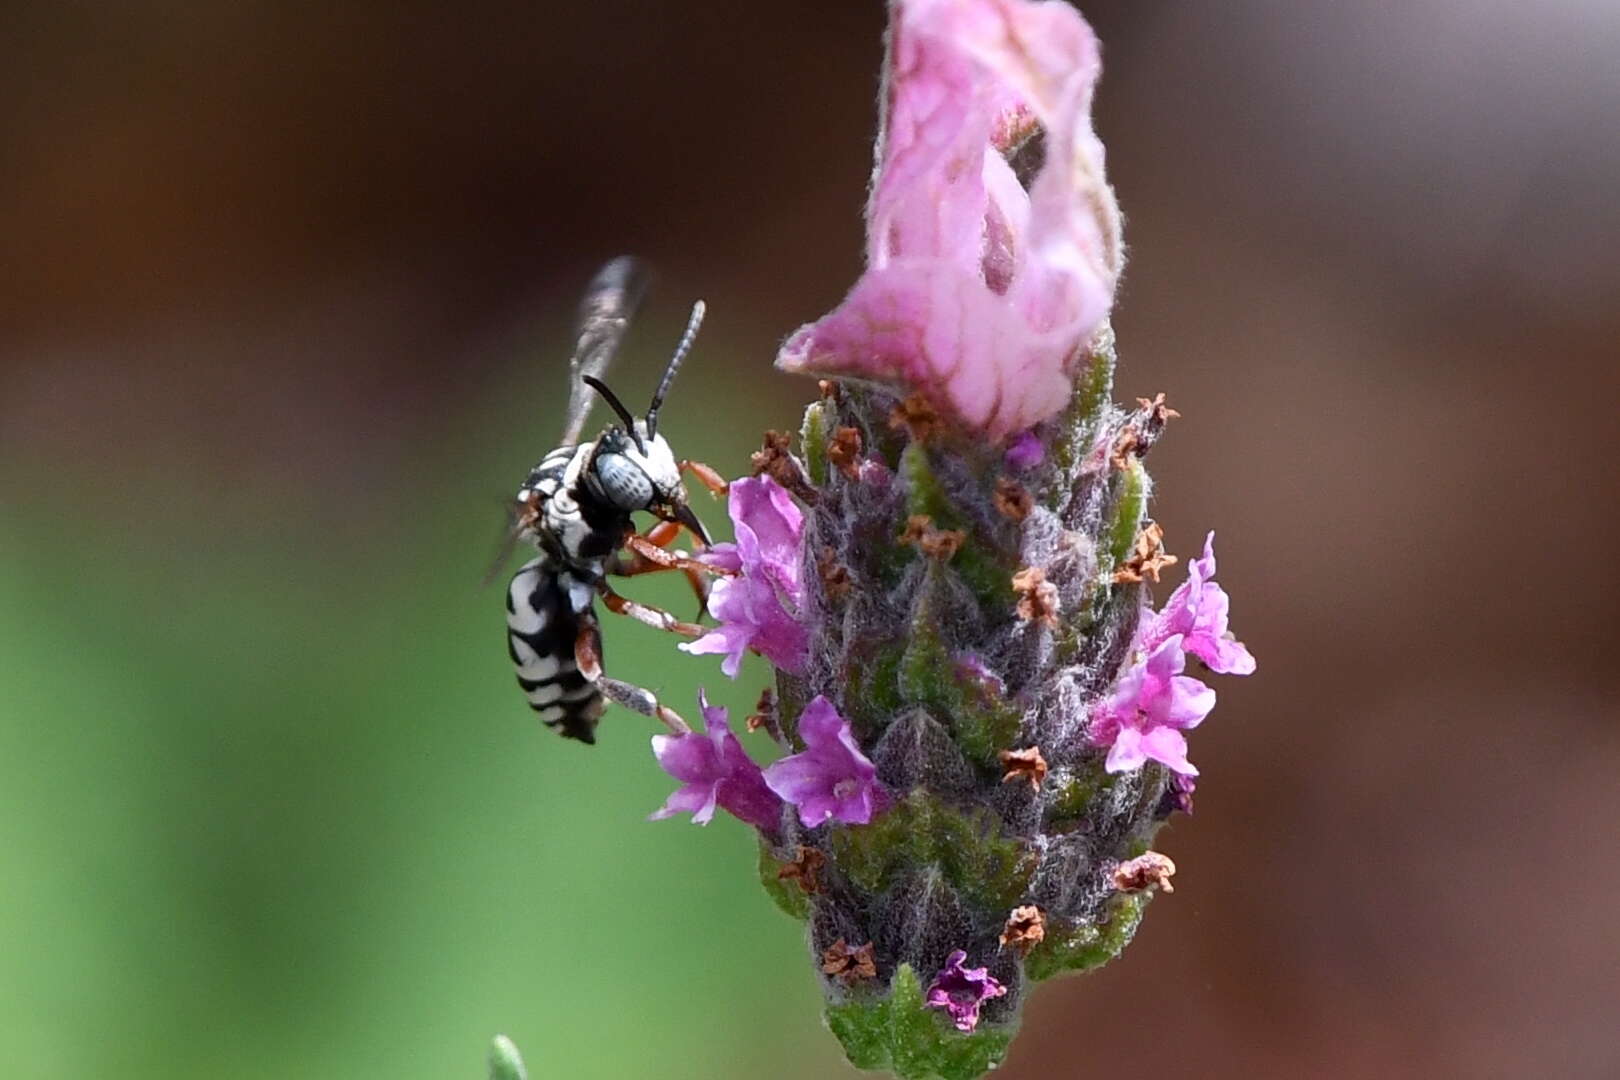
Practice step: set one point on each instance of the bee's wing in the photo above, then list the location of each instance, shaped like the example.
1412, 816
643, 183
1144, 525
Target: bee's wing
604, 315
508, 544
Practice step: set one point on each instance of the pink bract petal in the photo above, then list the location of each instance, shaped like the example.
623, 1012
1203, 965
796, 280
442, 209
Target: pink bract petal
1186, 703
978, 293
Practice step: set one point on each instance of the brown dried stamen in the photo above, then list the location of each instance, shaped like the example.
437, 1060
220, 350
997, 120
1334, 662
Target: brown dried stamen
1024, 764
1147, 557
1142, 431
849, 965
805, 869
1148, 871
764, 714
939, 544
1012, 499
775, 460
844, 451
1129, 443
775, 445
916, 415
1158, 413
1037, 597
834, 575
1025, 929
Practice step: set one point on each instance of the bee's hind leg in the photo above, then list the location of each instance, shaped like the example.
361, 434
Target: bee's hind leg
588, 657
642, 701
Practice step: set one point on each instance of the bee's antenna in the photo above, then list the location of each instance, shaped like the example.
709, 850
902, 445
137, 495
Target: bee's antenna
681, 350
617, 406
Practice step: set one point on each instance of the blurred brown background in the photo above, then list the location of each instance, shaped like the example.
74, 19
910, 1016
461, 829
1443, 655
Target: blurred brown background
284, 275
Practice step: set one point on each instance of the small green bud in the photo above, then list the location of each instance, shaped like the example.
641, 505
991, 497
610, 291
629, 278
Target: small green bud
505, 1063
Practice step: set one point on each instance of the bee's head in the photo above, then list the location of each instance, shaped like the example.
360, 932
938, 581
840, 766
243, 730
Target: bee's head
633, 467
635, 472
639, 472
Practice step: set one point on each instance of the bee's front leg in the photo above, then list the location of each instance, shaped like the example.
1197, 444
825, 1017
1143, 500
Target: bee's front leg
707, 475
648, 556
657, 618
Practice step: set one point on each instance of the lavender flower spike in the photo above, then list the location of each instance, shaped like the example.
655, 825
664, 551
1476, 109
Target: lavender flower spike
832, 780
982, 715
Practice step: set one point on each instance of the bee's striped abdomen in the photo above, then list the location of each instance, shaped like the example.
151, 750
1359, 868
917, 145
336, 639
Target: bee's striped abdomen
542, 626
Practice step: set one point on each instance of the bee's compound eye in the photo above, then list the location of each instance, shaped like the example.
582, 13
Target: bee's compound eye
623, 482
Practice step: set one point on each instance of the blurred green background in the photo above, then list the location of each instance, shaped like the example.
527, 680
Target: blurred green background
284, 295
273, 806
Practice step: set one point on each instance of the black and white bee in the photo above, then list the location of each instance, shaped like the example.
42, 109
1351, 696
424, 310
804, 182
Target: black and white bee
575, 507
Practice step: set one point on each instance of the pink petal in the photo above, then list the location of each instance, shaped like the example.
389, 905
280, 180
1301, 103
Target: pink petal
1169, 746
1189, 702
1127, 752
1230, 658
797, 778
1165, 662
689, 757
731, 640
714, 716
1025, 452
1204, 565
820, 723
695, 799
724, 555
861, 808
769, 527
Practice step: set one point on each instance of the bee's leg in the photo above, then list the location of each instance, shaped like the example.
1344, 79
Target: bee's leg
651, 556
648, 557
657, 538
588, 657
662, 534
708, 476
642, 701
657, 618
